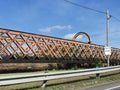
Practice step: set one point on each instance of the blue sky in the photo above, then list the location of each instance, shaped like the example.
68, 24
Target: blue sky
58, 18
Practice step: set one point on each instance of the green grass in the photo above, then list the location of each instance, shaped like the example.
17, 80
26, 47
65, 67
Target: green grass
36, 72
24, 73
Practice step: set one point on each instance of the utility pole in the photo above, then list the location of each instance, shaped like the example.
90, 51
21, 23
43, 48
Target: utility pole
107, 38
107, 27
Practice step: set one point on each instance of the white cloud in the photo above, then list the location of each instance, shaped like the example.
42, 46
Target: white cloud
56, 27
70, 36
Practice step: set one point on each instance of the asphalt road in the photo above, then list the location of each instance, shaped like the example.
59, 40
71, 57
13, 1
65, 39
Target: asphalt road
111, 86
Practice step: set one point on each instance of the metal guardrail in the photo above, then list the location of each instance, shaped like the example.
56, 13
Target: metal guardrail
9, 80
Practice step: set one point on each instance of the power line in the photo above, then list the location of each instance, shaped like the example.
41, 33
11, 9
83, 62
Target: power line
95, 10
115, 18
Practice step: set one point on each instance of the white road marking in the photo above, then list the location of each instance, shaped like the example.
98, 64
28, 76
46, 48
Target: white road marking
112, 88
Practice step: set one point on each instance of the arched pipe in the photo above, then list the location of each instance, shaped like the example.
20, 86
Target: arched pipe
80, 33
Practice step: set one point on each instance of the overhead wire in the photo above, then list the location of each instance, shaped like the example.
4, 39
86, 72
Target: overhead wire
85, 7
115, 18
95, 10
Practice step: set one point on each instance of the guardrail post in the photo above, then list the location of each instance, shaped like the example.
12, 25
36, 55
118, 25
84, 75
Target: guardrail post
44, 81
44, 84
97, 75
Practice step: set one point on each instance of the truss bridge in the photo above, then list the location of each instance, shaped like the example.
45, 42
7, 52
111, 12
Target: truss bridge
23, 47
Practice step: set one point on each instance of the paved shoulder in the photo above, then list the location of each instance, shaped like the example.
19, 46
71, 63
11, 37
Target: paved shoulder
111, 86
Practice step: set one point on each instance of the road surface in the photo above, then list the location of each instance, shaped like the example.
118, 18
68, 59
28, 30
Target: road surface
111, 86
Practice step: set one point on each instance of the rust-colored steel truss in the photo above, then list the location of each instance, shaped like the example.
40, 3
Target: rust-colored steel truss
16, 46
